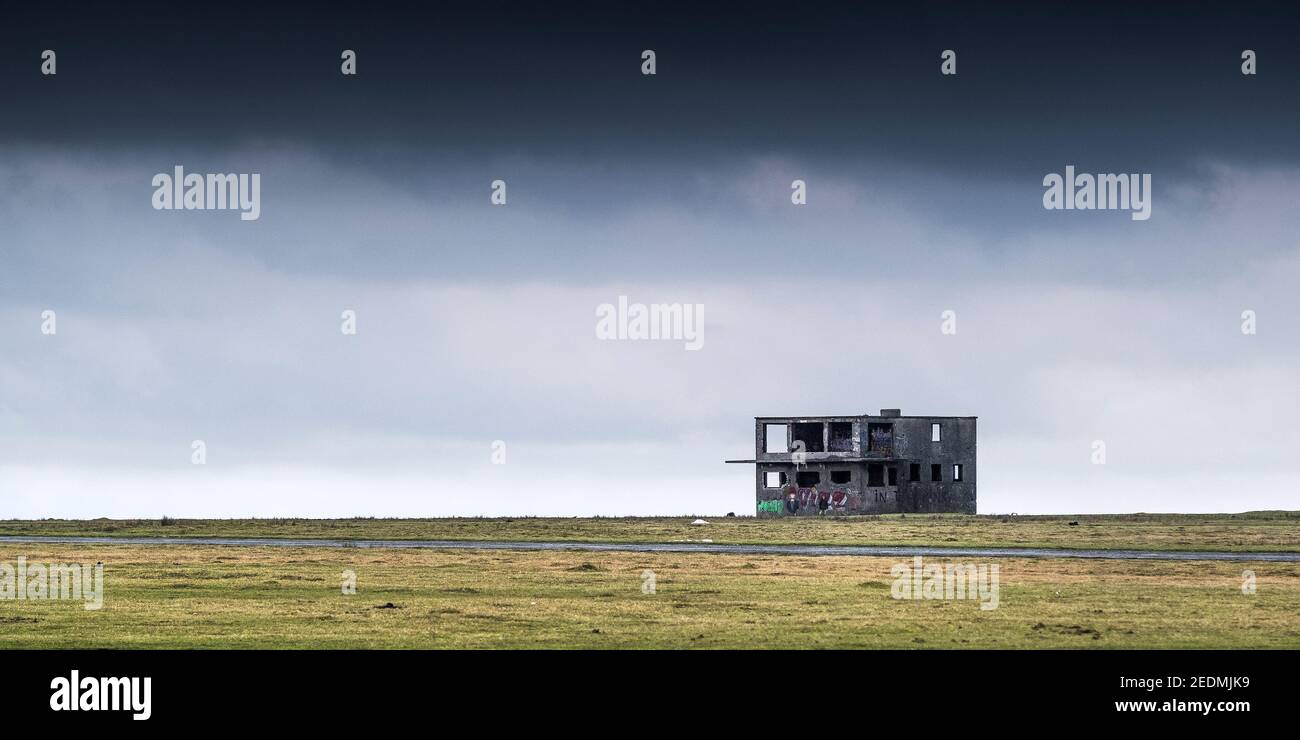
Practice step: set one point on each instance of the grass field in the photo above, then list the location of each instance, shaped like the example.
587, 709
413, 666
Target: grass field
1255, 531
262, 597
226, 597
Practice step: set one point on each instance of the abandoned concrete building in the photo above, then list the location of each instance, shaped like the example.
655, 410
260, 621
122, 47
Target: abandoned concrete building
863, 464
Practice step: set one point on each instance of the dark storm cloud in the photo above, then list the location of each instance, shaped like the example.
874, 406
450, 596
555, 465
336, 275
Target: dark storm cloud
476, 321
1111, 87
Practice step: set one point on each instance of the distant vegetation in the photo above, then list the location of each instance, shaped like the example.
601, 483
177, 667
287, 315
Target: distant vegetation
1253, 531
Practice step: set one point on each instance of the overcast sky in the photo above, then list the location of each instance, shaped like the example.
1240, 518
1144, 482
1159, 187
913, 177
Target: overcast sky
476, 322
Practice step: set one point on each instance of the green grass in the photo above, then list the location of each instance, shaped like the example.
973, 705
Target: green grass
225, 597
1255, 531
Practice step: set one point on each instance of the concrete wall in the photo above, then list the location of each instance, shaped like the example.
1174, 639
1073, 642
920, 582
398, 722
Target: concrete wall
911, 444
956, 446
836, 498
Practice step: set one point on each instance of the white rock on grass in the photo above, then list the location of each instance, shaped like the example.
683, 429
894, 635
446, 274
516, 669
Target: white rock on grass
699, 521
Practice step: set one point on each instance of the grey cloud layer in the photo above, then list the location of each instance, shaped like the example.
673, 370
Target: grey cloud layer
477, 323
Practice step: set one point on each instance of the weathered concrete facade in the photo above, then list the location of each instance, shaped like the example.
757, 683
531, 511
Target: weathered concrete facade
863, 464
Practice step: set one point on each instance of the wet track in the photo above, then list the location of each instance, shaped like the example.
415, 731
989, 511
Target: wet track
676, 547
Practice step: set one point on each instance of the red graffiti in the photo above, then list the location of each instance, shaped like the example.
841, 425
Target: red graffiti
810, 499
807, 497
791, 500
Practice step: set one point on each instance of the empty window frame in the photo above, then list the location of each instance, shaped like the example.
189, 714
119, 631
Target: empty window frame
956, 472
841, 436
936, 432
774, 438
936, 473
893, 475
914, 472
773, 479
875, 474
808, 478
810, 433
841, 476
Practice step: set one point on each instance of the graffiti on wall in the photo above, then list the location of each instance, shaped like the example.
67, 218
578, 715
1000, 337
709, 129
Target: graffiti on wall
881, 438
807, 500
900, 444
807, 497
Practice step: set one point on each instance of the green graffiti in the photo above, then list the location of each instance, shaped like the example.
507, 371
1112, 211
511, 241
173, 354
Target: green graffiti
771, 507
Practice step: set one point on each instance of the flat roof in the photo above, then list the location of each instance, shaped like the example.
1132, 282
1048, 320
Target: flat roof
820, 460
861, 416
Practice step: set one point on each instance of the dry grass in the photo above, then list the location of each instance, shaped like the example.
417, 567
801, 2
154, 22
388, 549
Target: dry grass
225, 597
1257, 531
